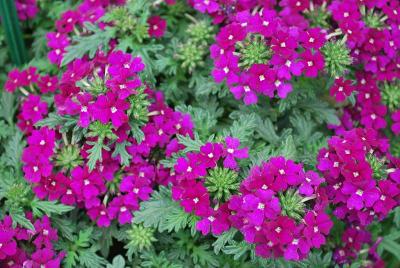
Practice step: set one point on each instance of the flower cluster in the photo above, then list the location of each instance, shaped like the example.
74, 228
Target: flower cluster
21, 247
360, 183
281, 210
197, 185
113, 166
31, 84
357, 245
26, 9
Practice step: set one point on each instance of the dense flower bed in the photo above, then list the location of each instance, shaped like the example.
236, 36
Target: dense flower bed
203, 133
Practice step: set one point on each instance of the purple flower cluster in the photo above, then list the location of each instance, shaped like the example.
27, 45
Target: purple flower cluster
354, 239
26, 9
15, 242
190, 190
282, 52
281, 210
101, 92
73, 20
359, 196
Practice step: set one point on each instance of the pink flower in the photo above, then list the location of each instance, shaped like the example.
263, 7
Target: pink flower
361, 196
232, 151
109, 107
396, 122
33, 109
157, 26
216, 221
206, 6
341, 89
313, 62
317, 227
8, 244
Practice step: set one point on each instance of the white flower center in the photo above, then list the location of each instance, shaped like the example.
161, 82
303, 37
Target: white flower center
123, 209
383, 197
310, 63
86, 182
356, 174
189, 169
135, 190
359, 192
35, 169
246, 89
45, 232
316, 229
113, 110
210, 155
261, 206
211, 218
196, 200
42, 142
230, 150
83, 109
226, 70
261, 77
281, 171
373, 116
278, 229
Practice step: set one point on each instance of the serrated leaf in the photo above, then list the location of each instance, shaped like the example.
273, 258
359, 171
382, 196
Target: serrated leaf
162, 213
88, 44
39, 208
118, 262
223, 239
18, 217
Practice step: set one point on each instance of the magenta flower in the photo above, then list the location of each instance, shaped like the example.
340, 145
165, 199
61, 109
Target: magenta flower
45, 234
206, 6
313, 62
232, 151
362, 196
389, 191
374, 116
210, 153
15, 79
313, 38
216, 221
311, 181
226, 68
261, 205
44, 258
110, 108
396, 122
36, 166
157, 26
33, 109
243, 90
42, 141
8, 245
100, 215
48, 83
266, 23
26, 9
283, 43
194, 197
52, 187
139, 186
191, 168
341, 89
317, 227
281, 230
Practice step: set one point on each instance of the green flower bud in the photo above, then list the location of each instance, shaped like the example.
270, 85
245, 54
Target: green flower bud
140, 238
201, 32
391, 95
222, 183
17, 195
102, 131
292, 204
253, 51
69, 157
373, 18
191, 55
318, 16
139, 104
337, 57
378, 167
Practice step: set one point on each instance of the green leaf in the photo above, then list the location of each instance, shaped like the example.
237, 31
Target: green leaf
120, 149
137, 133
118, 262
95, 153
54, 120
13, 150
243, 128
89, 258
191, 145
89, 44
18, 217
238, 250
223, 239
162, 213
391, 246
321, 111
39, 208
